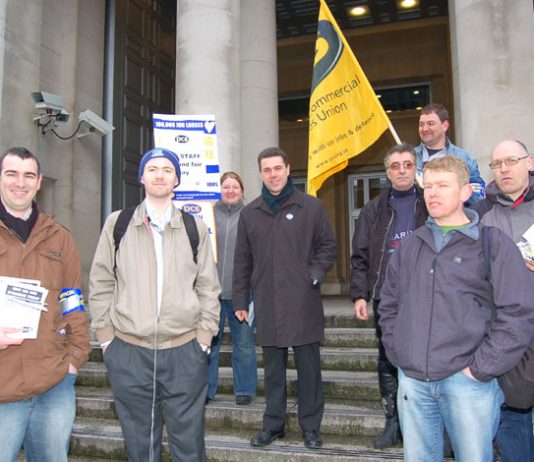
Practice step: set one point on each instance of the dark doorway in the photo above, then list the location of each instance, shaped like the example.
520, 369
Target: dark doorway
144, 83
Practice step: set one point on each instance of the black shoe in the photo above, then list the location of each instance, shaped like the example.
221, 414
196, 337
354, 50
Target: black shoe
208, 399
265, 438
312, 439
243, 400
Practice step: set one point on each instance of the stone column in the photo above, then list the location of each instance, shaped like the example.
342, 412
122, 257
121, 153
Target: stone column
493, 64
259, 90
207, 69
20, 60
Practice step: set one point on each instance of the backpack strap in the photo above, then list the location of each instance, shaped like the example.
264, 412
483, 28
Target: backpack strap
121, 225
192, 233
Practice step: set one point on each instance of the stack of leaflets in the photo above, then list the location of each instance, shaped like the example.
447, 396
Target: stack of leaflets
526, 244
21, 303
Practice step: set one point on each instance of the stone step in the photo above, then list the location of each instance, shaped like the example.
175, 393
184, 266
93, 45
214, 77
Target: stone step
360, 419
358, 337
363, 337
103, 438
337, 385
75, 458
338, 359
335, 337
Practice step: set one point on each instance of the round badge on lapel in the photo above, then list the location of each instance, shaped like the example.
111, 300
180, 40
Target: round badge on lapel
289, 216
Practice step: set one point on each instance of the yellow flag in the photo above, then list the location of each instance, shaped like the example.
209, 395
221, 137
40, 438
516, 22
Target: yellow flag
345, 114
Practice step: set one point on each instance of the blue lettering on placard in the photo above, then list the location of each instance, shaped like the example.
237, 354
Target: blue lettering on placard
196, 196
205, 126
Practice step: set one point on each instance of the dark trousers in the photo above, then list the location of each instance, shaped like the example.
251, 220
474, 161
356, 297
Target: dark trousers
181, 388
309, 387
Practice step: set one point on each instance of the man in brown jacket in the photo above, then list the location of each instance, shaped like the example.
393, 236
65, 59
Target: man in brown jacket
37, 399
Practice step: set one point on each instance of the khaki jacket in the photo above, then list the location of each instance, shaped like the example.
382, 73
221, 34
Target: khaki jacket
123, 302
49, 255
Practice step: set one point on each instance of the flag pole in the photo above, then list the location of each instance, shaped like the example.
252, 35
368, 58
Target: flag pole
394, 132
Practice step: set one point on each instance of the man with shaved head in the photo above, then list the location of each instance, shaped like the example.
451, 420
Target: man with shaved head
509, 205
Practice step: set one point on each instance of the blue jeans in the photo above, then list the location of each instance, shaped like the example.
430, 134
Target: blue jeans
515, 437
468, 409
41, 424
243, 354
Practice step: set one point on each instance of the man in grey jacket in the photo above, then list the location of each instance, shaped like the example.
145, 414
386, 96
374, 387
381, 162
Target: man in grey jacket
509, 205
439, 327
155, 309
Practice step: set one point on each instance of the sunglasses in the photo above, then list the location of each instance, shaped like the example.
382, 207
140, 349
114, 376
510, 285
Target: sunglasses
407, 165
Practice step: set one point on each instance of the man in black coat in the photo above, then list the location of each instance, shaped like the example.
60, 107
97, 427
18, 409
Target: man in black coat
285, 247
382, 223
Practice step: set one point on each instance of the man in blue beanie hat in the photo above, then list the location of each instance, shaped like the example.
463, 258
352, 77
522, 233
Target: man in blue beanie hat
155, 308
158, 153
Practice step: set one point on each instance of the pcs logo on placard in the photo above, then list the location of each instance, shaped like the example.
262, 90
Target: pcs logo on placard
193, 209
181, 139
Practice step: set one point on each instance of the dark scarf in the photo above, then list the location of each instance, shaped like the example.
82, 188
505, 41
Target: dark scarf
275, 202
22, 228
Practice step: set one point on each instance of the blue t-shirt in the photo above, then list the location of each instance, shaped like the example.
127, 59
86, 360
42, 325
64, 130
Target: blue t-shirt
403, 203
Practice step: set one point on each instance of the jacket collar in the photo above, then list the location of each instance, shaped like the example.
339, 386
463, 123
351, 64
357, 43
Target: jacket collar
140, 216
228, 209
297, 198
494, 194
436, 234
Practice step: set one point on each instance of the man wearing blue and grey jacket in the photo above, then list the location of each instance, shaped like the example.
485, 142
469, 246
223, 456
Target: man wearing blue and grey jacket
438, 325
433, 126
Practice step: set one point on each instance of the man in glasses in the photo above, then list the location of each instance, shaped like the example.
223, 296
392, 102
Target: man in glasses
433, 126
382, 223
509, 205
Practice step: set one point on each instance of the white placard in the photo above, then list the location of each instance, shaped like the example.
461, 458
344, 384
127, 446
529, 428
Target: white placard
194, 139
21, 303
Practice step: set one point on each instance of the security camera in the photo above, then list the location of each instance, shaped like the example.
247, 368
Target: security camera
47, 101
94, 123
62, 117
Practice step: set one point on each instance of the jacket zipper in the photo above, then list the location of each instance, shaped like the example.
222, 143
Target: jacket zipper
433, 272
228, 215
373, 295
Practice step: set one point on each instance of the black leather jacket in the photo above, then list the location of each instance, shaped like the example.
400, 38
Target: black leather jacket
368, 259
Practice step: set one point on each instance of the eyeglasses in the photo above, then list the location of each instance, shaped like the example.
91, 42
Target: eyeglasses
407, 165
509, 161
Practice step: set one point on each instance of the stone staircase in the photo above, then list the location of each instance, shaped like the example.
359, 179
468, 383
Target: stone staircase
352, 415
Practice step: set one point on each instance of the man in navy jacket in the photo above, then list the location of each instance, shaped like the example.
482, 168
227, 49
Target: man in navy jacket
439, 327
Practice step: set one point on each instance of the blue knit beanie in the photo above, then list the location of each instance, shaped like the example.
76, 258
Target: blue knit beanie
159, 152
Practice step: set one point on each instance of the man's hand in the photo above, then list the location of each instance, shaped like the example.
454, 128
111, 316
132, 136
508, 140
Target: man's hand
242, 315
467, 372
360, 309
6, 340
530, 265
